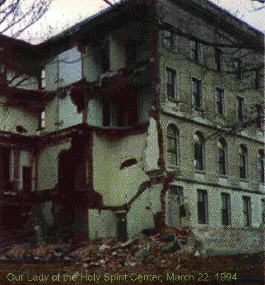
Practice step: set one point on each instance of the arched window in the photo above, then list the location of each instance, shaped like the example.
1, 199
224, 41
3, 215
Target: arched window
222, 156
172, 144
260, 166
243, 161
198, 151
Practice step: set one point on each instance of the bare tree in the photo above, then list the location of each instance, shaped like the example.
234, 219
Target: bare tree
18, 15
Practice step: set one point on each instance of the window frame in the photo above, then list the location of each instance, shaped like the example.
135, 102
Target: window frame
226, 211
196, 96
168, 40
222, 146
219, 92
243, 162
261, 166
173, 85
241, 109
247, 217
194, 51
174, 137
218, 59
202, 210
200, 166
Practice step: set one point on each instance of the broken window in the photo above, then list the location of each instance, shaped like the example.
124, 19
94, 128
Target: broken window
243, 161
172, 144
26, 178
226, 209
260, 167
241, 109
246, 211
171, 83
196, 92
222, 155
220, 101
131, 49
202, 207
198, 151
218, 56
194, 50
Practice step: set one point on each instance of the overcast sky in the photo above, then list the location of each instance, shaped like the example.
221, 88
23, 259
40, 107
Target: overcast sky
65, 13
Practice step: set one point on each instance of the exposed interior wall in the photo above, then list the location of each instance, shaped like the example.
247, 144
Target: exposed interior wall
48, 165
24, 160
10, 117
117, 50
68, 115
108, 154
101, 224
95, 111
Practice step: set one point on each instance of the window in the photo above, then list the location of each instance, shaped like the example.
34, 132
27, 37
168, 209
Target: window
241, 110
238, 68
172, 145
43, 79
246, 211
202, 207
42, 120
260, 167
226, 208
198, 151
218, 56
243, 161
194, 50
131, 48
26, 178
2, 74
263, 211
196, 92
171, 83
220, 101
260, 116
222, 156
258, 80
167, 39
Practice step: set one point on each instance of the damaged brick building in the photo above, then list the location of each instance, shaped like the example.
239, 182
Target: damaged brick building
147, 113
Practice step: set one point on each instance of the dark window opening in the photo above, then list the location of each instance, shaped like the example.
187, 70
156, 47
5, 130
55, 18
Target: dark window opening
238, 68
241, 111
66, 171
105, 60
199, 152
260, 116
196, 92
243, 161
246, 211
172, 145
131, 49
220, 101
226, 208
222, 154
263, 211
194, 50
218, 59
171, 83
260, 167
26, 178
4, 167
202, 207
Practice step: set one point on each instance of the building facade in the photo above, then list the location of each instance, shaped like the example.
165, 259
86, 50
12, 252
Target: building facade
148, 113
